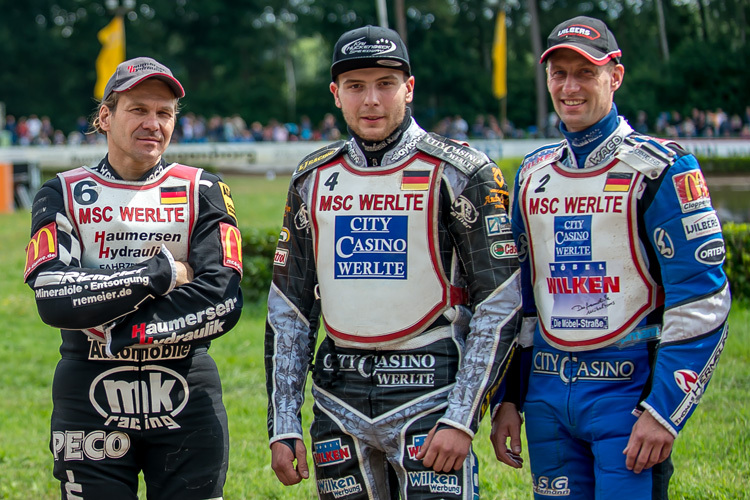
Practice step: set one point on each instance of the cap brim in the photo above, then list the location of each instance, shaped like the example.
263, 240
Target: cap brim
368, 62
594, 56
169, 80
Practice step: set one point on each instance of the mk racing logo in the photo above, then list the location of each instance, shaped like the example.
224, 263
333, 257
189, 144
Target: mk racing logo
331, 452
139, 397
41, 248
691, 191
415, 447
231, 245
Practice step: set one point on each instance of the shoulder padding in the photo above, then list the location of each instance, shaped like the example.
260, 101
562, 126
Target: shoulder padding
648, 155
318, 158
541, 156
466, 159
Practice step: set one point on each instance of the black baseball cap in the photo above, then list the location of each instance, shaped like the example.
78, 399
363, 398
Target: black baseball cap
369, 47
132, 72
588, 36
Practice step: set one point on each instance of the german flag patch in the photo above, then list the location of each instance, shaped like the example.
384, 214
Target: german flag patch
173, 195
618, 182
415, 180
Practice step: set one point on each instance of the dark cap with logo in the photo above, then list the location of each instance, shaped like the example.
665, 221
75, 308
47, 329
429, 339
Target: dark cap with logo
134, 71
369, 47
588, 36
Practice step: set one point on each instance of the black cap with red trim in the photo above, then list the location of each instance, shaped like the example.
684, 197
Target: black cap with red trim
588, 36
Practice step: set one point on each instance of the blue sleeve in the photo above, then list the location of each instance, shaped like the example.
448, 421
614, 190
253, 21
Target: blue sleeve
685, 232
521, 238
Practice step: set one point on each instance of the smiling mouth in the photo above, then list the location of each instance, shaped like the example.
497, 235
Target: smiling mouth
573, 102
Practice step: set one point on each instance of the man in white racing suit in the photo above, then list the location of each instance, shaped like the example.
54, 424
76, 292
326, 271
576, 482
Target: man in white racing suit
624, 296
138, 262
404, 237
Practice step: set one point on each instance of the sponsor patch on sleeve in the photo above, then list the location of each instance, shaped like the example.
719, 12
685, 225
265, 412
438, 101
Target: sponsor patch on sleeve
41, 248
231, 245
503, 249
228, 202
701, 224
280, 257
692, 191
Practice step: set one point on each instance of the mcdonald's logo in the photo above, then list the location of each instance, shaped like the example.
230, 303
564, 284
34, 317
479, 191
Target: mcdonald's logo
692, 190
41, 248
231, 244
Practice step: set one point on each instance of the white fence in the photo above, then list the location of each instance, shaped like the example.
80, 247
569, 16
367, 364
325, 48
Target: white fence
282, 157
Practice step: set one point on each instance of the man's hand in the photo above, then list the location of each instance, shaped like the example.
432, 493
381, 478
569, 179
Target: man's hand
445, 450
184, 273
282, 462
650, 443
507, 425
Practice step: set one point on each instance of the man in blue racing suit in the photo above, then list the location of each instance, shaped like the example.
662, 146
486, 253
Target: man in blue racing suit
404, 237
624, 298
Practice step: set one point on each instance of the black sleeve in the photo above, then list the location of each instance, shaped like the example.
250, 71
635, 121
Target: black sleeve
73, 297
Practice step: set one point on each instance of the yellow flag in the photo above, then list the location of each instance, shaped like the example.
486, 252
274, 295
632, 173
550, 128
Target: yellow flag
112, 38
499, 58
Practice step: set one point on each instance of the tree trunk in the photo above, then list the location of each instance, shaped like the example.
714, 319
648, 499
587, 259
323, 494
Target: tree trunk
539, 73
662, 30
400, 15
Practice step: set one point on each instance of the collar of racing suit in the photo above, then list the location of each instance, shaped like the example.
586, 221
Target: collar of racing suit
405, 144
582, 143
374, 152
106, 170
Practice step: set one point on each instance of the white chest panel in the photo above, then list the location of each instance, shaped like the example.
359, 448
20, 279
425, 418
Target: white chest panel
590, 281
376, 248
122, 223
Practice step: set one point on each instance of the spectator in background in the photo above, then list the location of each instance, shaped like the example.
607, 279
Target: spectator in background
34, 127
305, 128
215, 129
329, 130
641, 122
478, 127
10, 126
459, 129
256, 131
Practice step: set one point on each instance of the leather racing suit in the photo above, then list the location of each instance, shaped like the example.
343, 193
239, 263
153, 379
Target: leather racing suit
625, 303
136, 388
416, 271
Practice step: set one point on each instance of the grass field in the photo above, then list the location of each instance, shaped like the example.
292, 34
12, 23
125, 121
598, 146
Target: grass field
711, 456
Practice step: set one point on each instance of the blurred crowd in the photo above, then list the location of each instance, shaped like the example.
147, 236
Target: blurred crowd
192, 128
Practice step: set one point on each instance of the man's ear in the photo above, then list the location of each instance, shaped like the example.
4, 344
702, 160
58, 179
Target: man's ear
334, 88
104, 117
618, 74
410, 89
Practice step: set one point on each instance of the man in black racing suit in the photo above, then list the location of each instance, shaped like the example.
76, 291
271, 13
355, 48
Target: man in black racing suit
405, 238
138, 262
